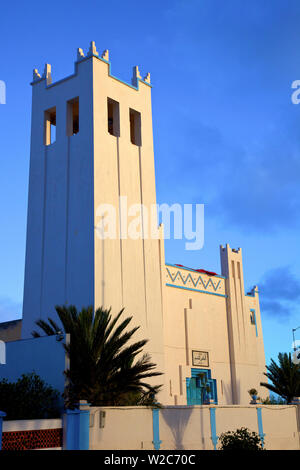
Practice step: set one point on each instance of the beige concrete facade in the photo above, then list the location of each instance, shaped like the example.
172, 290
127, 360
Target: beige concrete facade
103, 151
213, 315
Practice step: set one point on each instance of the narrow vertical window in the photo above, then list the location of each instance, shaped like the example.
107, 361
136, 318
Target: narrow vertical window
73, 117
135, 127
113, 117
50, 126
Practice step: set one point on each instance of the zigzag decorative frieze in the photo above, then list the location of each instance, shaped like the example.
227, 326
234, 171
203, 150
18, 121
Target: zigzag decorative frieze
191, 280
184, 280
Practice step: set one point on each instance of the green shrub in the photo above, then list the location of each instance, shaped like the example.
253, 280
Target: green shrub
29, 398
241, 439
273, 400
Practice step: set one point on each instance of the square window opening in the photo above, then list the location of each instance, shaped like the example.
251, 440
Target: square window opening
135, 127
50, 126
113, 117
73, 117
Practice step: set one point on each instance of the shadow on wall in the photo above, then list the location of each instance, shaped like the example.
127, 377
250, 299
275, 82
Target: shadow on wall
202, 430
177, 420
228, 392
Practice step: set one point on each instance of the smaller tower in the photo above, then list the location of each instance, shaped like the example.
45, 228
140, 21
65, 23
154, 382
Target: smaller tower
246, 349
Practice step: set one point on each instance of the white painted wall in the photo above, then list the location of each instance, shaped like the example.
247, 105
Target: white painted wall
189, 427
31, 424
59, 266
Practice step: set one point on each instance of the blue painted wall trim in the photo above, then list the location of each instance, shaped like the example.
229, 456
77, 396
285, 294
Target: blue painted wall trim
71, 429
2, 415
254, 316
196, 290
77, 429
213, 427
155, 420
260, 426
84, 430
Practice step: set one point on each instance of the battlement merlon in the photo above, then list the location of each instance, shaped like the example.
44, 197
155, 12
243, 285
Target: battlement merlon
253, 292
232, 250
46, 78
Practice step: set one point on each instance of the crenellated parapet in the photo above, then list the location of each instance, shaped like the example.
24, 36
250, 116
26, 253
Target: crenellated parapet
229, 249
190, 279
253, 292
91, 53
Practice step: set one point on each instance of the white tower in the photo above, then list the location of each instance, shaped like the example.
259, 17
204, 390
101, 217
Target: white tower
91, 142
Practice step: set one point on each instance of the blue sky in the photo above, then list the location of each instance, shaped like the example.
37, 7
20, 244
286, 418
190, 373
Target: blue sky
226, 133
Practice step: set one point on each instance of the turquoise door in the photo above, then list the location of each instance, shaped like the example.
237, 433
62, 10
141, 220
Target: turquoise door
197, 385
193, 393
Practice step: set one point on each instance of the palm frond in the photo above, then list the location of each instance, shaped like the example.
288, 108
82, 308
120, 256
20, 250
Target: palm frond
106, 366
284, 377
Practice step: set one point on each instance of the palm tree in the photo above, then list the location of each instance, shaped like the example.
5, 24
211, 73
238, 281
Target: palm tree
285, 377
104, 369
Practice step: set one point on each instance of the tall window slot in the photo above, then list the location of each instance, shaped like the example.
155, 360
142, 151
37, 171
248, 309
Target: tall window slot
73, 117
50, 126
113, 117
135, 127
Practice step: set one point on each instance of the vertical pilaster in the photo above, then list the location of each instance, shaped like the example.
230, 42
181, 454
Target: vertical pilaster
260, 426
213, 427
76, 429
155, 424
